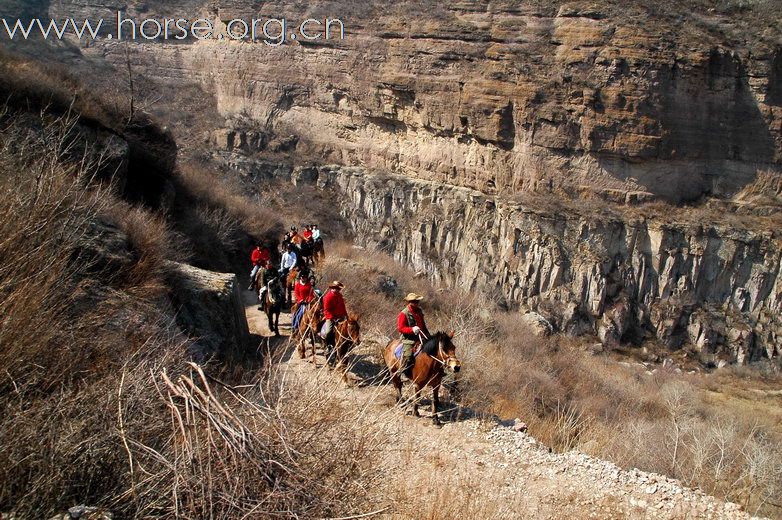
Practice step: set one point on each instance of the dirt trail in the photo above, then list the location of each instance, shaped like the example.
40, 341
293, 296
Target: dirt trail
482, 468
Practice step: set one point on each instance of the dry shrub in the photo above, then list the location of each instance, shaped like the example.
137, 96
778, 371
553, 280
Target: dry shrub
44, 215
220, 221
151, 241
50, 85
267, 447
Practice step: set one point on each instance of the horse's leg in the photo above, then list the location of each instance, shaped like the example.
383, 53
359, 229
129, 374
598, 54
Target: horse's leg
397, 382
435, 403
342, 362
277, 323
301, 345
416, 396
313, 349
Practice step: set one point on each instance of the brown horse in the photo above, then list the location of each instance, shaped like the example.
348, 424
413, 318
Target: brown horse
437, 353
318, 252
290, 283
347, 335
308, 327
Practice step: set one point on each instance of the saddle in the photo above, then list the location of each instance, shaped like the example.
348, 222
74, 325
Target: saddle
398, 350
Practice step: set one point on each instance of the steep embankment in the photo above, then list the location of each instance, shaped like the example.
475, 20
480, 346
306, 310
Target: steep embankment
473, 467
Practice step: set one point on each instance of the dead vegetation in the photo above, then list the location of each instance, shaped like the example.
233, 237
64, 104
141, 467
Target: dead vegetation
218, 222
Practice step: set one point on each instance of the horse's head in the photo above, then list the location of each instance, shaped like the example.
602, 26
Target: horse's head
447, 350
274, 290
353, 329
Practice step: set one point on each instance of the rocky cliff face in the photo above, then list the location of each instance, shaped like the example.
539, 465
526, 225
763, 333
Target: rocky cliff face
709, 287
672, 101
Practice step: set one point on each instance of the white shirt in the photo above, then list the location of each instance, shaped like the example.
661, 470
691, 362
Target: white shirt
288, 260
315, 234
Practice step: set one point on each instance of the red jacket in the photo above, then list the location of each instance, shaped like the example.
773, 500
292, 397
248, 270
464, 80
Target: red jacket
304, 292
405, 328
260, 256
334, 305
307, 235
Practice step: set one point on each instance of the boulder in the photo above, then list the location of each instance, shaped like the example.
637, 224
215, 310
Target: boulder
537, 324
209, 309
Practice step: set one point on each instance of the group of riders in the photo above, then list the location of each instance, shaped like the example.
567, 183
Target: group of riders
325, 316
299, 255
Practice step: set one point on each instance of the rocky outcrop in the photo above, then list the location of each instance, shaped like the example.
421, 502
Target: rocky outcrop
675, 102
209, 309
714, 289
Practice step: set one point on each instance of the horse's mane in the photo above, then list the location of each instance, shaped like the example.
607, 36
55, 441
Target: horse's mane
431, 346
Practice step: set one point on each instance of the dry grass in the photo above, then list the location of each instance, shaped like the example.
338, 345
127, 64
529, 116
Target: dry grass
221, 224
49, 85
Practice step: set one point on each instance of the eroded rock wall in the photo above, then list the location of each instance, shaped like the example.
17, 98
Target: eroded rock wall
717, 290
673, 101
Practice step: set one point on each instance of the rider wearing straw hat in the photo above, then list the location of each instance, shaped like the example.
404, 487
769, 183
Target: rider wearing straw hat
412, 327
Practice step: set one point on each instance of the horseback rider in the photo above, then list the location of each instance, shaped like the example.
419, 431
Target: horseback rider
289, 261
315, 233
288, 238
307, 233
304, 293
259, 257
269, 274
333, 308
412, 327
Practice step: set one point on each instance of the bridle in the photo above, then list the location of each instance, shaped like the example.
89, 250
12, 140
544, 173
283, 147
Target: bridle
440, 351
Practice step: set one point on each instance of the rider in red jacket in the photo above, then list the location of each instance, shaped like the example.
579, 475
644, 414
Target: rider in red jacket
304, 291
259, 258
307, 233
411, 325
333, 307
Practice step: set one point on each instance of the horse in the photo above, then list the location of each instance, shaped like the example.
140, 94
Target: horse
290, 283
272, 304
318, 252
255, 283
347, 335
308, 327
437, 353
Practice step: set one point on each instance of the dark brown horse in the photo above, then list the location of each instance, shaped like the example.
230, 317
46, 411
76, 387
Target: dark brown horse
272, 304
318, 252
437, 353
255, 283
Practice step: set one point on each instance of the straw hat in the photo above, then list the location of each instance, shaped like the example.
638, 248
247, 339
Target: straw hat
413, 297
336, 285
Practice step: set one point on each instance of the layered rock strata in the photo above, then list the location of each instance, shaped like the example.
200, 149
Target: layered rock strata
714, 289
